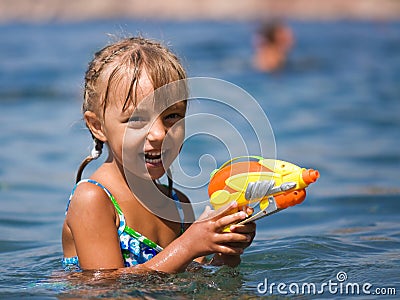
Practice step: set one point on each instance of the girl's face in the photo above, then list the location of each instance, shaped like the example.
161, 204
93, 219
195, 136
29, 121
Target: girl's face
143, 139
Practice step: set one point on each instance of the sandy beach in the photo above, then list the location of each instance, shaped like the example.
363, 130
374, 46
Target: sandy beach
76, 10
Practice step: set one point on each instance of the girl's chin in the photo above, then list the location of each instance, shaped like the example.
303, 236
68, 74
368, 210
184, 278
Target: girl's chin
150, 172
155, 171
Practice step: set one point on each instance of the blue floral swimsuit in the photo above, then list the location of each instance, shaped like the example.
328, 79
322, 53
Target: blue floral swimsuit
135, 248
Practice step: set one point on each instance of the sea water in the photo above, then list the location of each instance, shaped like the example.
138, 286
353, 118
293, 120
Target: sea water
334, 107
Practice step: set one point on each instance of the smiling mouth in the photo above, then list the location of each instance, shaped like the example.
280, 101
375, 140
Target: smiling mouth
153, 157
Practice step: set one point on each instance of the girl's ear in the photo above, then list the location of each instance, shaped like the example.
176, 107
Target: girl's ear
95, 126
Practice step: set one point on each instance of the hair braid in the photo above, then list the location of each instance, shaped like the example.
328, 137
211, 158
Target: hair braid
94, 154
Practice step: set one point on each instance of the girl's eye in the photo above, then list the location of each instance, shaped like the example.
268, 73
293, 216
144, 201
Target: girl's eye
137, 122
135, 119
173, 118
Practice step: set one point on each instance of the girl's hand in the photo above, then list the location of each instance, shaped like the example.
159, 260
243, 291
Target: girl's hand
248, 229
206, 236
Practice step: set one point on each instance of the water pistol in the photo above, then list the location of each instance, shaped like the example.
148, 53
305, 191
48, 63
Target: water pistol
272, 184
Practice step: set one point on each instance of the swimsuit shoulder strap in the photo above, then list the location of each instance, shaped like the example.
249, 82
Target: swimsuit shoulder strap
180, 209
114, 202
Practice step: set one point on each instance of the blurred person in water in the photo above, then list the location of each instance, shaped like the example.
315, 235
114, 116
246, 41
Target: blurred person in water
273, 42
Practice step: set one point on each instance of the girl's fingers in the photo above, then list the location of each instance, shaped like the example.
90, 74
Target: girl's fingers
228, 238
206, 213
247, 209
214, 214
224, 249
230, 219
246, 228
226, 210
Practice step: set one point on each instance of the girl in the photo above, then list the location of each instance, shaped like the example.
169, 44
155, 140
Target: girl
117, 218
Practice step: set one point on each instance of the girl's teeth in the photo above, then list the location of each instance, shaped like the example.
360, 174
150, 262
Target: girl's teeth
153, 157
153, 154
153, 161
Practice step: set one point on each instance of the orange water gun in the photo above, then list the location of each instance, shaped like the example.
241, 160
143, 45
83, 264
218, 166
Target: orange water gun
273, 184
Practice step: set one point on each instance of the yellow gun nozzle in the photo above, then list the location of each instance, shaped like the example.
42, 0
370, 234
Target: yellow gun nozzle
310, 176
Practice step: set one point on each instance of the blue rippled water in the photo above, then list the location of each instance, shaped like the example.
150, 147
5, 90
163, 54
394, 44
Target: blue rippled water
335, 107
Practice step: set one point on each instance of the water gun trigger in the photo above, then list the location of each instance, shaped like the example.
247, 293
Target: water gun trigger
268, 207
265, 202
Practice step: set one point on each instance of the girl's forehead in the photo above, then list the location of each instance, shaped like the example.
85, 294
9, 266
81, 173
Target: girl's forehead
144, 85
145, 99
140, 90
152, 106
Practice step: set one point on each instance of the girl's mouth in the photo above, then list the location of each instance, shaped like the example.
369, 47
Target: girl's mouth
153, 158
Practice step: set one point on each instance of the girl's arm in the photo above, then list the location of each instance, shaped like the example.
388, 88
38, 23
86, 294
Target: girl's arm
203, 237
92, 221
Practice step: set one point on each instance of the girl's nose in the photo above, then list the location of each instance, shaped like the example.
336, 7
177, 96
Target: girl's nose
157, 131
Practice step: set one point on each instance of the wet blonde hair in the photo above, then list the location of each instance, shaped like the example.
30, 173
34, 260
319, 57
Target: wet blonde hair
122, 63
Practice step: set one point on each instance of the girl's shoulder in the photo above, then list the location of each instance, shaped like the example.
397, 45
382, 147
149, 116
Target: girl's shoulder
91, 196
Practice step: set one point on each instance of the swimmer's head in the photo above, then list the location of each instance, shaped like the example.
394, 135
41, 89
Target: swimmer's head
276, 33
